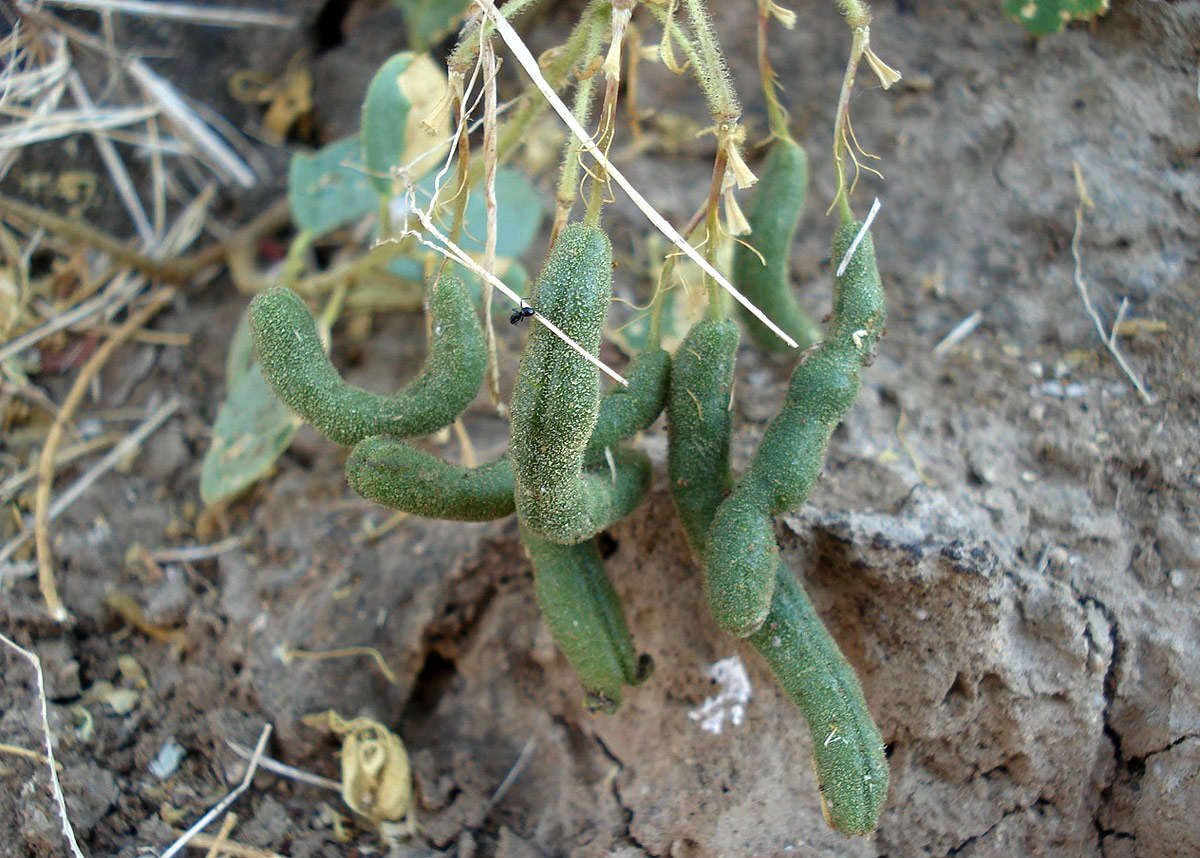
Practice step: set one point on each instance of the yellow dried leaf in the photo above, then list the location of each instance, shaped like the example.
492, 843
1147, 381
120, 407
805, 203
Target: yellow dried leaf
427, 132
1135, 327
376, 780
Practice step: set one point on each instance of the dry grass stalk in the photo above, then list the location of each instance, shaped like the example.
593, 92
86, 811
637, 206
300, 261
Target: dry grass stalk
232, 847
115, 166
190, 125
63, 123
126, 446
189, 13
487, 59
530, 65
215, 849
41, 520
59, 798
284, 770
220, 807
1108, 339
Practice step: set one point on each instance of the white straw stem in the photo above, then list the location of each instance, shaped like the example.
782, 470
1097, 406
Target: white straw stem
529, 64
449, 248
862, 231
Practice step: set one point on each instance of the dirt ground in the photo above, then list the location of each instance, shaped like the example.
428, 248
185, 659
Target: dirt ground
1006, 542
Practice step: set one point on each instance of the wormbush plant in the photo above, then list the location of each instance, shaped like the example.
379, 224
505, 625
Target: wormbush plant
572, 469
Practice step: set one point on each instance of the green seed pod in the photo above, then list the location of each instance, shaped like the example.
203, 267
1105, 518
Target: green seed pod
398, 475
774, 215
739, 567
625, 411
395, 474
301, 374
738, 538
859, 303
848, 753
586, 619
556, 400
1044, 17
698, 425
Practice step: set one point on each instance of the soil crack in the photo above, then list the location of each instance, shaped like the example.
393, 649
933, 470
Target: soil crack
1116, 647
970, 841
626, 812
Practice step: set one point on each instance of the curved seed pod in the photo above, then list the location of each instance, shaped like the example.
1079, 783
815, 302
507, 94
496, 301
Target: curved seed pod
586, 619
774, 215
698, 425
848, 753
298, 369
742, 555
556, 400
398, 475
625, 411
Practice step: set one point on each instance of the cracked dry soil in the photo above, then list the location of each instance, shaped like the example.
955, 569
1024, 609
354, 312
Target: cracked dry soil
1006, 542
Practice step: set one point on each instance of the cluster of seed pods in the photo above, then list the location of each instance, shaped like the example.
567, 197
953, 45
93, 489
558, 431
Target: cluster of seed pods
568, 477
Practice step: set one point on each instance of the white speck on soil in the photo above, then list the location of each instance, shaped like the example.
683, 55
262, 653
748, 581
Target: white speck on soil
730, 703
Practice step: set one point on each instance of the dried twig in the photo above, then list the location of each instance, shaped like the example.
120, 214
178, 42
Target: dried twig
189, 13
286, 653
13, 484
59, 799
530, 65
232, 847
115, 166
221, 806
180, 270
215, 849
959, 333
18, 751
514, 772
41, 522
186, 121
284, 770
1109, 341
193, 553
106, 463
487, 58
62, 123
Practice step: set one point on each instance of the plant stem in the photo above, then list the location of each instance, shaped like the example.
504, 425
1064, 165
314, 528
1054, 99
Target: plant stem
716, 296
776, 114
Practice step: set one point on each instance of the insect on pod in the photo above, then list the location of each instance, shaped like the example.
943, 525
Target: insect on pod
520, 314
297, 368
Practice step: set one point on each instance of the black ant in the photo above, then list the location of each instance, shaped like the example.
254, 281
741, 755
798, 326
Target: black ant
520, 314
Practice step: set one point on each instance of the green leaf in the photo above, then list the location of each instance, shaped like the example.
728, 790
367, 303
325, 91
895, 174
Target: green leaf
429, 20
401, 104
384, 120
1044, 17
240, 358
518, 216
326, 190
519, 213
253, 427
